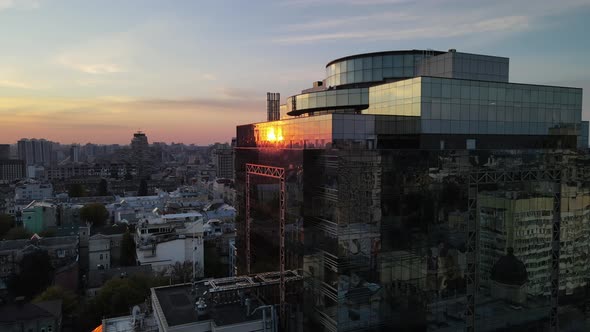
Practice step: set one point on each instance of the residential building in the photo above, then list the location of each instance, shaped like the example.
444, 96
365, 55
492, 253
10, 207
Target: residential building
140, 154
4, 151
75, 153
81, 170
33, 191
104, 247
69, 214
99, 252
223, 157
62, 250
35, 151
43, 316
365, 181
162, 241
12, 170
39, 216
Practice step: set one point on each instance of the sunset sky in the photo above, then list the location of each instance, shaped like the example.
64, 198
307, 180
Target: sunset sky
190, 71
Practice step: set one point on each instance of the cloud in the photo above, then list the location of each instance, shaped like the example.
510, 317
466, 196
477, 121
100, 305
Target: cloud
349, 20
96, 58
19, 4
113, 53
418, 20
79, 64
431, 30
16, 84
209, 77
315, 3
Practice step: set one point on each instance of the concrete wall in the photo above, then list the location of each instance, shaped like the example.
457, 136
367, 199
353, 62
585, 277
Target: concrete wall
99, 253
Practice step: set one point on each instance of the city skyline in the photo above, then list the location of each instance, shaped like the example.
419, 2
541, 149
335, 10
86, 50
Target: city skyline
92, 72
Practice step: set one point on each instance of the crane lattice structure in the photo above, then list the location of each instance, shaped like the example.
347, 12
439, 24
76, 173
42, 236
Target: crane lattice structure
275, 173
482, 177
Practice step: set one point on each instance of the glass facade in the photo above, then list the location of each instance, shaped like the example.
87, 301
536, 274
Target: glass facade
354, 99
381, 236
479, 107
397, 98
434, 204
307, 132
452, 106
465, 66
373, 68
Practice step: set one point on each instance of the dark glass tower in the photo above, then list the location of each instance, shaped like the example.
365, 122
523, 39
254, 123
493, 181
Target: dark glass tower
408, 175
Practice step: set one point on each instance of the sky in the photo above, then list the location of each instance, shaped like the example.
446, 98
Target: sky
81, 71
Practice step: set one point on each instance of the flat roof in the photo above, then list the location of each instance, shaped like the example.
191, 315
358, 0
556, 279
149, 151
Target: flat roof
178, 306
398, 52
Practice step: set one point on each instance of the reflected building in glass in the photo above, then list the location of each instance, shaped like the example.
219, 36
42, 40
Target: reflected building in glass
415, 183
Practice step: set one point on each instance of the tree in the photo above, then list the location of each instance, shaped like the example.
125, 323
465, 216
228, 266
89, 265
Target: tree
6, 223
103, 188
17, 233
116, 297
76, 190
69, 300
128, 250
182, 272
143, 188
94, 213
35, 274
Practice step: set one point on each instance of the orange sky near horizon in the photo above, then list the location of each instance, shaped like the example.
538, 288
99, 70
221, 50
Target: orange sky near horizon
111, 120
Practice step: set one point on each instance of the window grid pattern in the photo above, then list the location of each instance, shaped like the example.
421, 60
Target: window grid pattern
330, 99
371, 69
478, 107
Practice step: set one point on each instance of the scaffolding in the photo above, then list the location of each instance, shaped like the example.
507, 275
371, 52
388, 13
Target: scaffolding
275, 173
245, 282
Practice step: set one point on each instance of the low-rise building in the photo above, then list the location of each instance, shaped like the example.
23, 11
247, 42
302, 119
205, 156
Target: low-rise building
163, 242
32, 190
220, 211
99, 252
104, 247
97, 278
39, 216
43, 316
63, 251
176, 308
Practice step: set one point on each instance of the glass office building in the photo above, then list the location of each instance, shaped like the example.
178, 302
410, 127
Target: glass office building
422, 192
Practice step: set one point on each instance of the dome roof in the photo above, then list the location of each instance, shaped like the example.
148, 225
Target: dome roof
509, 270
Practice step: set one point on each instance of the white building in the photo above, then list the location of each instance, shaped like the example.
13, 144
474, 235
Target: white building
99, 252
164, 240
32, 190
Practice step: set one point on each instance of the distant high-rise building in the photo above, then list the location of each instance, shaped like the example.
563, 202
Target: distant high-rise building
35, 151
4, 151
140, 154
224, 162
273, 102
75, 153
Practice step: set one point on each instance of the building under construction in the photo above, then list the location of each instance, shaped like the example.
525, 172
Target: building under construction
419, 190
